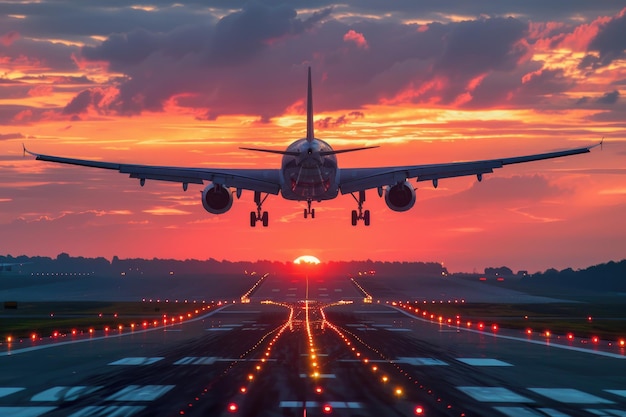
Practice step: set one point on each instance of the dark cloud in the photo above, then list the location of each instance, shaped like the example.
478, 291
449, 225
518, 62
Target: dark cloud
609, 98
344, 119
609, 43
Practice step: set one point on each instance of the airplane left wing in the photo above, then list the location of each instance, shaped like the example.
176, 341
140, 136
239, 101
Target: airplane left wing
261, 180
360, 179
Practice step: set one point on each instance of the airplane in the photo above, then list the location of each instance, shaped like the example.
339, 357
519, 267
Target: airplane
309, 172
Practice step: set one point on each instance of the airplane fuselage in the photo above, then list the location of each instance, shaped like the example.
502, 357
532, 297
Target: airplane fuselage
312, 174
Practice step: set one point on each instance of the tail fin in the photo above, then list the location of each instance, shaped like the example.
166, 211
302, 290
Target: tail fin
309, 111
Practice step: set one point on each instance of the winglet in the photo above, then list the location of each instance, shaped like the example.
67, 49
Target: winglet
309, 111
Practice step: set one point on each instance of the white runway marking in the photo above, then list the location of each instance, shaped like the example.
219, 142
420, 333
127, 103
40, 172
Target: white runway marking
192, 360
63, 393
9, 390
25, 411
494, 395
338, 290
364, 329
140, 393
322, 289
619, 392
219, 329
397, 329
108, 411
606, 412
483, 362
520, 412
382, 325
552, 412
420, 361
315, 404
276, 290
136, 361
570, 396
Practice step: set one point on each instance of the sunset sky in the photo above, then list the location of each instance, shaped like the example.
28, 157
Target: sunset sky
428, 81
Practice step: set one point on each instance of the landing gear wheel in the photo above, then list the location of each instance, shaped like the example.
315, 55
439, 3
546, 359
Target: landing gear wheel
355, 217
252, 219
312, 213
366, 217
258, 215
360, 214
265, 219
306, 213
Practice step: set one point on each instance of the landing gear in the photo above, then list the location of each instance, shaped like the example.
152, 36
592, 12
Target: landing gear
309, 211
259, 215
360, 214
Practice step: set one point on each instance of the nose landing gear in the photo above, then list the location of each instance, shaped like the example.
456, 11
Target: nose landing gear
309, 211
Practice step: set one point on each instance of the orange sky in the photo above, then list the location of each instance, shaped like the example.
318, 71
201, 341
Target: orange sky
188, 86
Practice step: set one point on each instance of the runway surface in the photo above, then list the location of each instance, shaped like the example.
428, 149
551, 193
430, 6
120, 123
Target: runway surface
310, 347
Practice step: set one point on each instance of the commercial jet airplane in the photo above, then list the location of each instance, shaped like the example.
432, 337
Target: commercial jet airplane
309, 173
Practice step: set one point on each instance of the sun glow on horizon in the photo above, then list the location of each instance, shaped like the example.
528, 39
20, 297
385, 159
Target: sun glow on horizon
306, 259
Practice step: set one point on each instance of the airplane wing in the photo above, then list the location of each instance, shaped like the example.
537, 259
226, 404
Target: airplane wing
262, 180
359, 179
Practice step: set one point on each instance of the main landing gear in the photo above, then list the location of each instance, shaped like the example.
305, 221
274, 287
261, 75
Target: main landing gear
257, 215
309, 211
360, 214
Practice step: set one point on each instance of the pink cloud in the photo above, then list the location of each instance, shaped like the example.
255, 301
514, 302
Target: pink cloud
357, 38
8, 38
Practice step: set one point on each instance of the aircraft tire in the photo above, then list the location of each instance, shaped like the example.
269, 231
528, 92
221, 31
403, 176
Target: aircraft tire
252, 219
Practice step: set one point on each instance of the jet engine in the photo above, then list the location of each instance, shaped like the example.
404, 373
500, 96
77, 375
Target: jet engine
400, 197
217, 199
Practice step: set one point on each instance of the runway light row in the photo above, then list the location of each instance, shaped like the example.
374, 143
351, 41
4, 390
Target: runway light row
570, 337
245, 298
90, 331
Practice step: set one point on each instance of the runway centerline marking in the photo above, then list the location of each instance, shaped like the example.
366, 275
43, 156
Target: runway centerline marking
569, 396
483, 362
494, 395
137, 361
519, 339
420, 361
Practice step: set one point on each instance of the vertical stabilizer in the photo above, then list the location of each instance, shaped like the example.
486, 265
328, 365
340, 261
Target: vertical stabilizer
309, 111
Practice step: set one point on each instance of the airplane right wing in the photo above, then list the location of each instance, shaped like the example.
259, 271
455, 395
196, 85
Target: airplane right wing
360, 179
261, 180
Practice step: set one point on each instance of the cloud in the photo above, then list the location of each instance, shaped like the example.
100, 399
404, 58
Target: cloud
357, 38
609, 43
609, 98
8, 136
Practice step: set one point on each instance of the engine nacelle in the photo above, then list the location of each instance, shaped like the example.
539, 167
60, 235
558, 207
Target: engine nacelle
217, 199
400, 197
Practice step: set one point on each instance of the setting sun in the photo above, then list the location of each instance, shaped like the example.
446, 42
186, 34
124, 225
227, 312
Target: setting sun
306, 259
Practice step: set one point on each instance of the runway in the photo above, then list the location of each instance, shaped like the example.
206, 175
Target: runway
309, 347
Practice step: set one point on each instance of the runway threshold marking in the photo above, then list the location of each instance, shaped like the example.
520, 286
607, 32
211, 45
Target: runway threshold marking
494, 395
520, 339
25, 411
64, 393
108, 410
569, 396
137, 361
9, 390
140, 393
